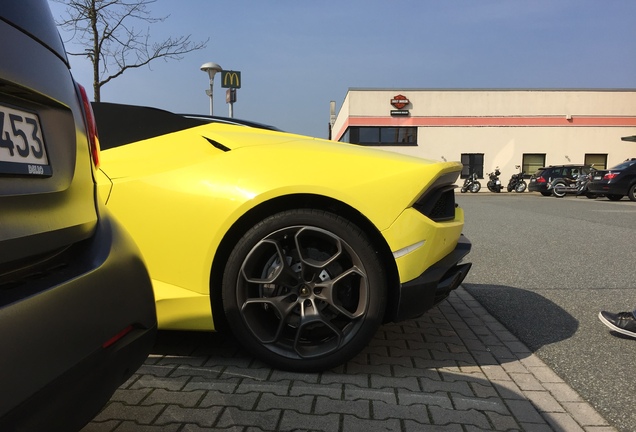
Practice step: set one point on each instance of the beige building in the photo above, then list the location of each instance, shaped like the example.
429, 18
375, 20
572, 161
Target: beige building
485, 129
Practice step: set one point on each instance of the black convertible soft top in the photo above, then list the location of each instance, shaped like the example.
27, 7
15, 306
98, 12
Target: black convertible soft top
119, 124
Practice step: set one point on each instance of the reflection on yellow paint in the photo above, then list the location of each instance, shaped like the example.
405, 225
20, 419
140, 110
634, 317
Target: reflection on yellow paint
230, 191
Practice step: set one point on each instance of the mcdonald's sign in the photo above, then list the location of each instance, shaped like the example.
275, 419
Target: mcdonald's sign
230, 79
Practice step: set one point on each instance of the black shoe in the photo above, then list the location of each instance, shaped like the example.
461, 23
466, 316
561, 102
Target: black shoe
622, 322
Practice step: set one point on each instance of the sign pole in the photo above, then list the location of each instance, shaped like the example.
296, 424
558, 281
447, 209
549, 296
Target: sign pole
230, 98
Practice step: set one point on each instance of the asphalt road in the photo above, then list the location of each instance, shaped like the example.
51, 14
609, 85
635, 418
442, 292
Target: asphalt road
545, 267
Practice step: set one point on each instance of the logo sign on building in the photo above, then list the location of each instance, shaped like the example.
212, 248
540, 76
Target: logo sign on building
230, 79
399, 102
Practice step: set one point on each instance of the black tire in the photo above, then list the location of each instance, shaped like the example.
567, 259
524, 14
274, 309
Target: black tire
521, 187
558, 189
631, 193
613, 197
464, 189
475, 187
509, 188
310, 261
546, 193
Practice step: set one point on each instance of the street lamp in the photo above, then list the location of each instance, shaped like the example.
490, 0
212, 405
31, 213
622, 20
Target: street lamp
211, 69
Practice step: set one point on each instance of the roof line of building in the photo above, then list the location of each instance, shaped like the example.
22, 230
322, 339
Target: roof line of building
493, 89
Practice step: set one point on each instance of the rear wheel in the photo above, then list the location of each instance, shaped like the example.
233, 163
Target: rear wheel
304, 290
521, 187
476, 186
631, 193
558, 190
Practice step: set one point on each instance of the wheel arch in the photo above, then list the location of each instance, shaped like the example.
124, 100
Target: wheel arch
290, 202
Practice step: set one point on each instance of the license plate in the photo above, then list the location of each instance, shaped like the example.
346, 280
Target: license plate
22, 150
597, 177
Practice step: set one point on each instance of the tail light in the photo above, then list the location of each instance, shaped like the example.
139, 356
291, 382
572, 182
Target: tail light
541, 180
610, 175
113, 340
91, 126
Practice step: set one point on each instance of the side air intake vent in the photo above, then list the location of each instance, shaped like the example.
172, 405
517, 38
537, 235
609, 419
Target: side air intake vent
438, 204
217, 145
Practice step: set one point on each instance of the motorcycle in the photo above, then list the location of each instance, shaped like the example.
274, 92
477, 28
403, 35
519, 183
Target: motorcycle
471, 184
579, 186
517, 183
494, 184
583, 182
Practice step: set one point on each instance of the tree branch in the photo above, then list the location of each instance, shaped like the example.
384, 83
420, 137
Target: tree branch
105, 29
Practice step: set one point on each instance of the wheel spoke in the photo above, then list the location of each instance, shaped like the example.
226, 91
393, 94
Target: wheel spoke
331, 247
311, 319
279, 272
283, 307
350, 280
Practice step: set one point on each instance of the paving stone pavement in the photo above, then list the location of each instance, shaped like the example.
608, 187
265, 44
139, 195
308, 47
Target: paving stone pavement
454, 369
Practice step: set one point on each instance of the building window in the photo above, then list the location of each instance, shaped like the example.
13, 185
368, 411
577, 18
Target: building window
473, 163
381, 136
532, 162
598, 160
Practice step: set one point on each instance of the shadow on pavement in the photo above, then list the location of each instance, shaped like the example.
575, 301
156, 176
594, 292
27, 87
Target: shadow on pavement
535, 320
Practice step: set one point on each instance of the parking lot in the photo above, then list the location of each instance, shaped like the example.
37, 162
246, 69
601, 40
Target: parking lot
545, 267
528, 355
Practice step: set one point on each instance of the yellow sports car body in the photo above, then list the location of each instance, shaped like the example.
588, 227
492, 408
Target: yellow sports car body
301, 247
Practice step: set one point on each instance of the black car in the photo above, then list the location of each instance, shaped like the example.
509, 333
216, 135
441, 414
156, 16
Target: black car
616, 182
77, 314
542, 180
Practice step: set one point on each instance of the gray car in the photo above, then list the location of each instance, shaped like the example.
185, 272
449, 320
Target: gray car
77, 314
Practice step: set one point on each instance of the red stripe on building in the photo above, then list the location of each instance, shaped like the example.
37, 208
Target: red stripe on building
540, 121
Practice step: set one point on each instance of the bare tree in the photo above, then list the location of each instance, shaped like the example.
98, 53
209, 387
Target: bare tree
105, 28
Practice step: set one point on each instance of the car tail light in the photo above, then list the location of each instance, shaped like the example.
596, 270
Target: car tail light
541, 180
610, 175
117, 337
91, 126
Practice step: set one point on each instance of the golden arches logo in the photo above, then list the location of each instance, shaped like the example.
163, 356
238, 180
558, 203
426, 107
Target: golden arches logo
230, 79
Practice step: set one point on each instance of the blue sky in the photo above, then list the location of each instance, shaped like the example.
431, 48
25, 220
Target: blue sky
295, 56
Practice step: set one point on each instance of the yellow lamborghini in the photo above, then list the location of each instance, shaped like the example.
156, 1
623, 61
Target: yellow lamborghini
301, 247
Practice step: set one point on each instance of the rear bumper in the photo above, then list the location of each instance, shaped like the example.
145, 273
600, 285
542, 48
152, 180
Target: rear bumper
607, 188
434, 285
72, 399
60, 363
537, 187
